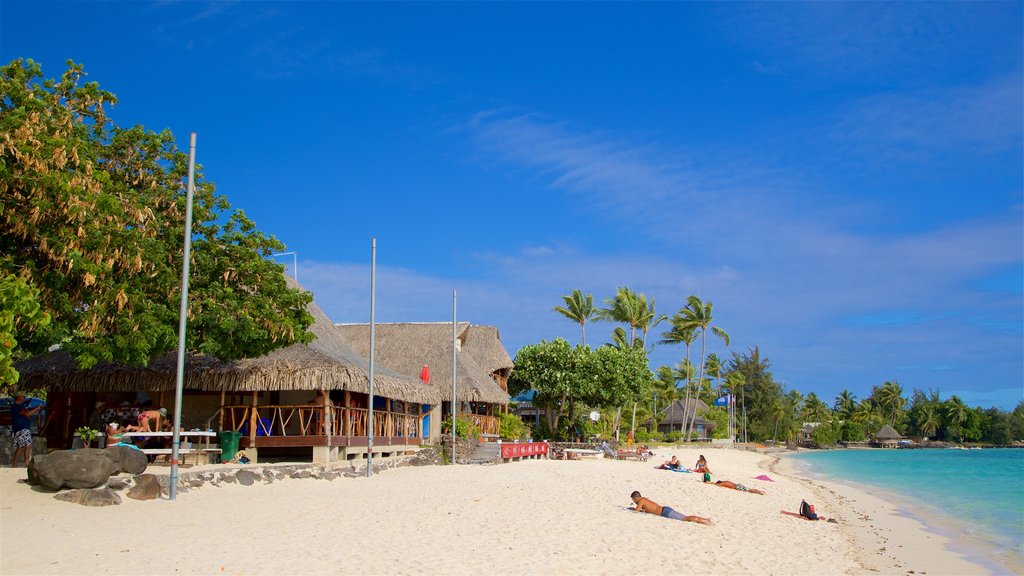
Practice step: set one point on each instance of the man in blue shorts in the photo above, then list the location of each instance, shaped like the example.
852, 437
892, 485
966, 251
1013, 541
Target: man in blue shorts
646, 505
21, 426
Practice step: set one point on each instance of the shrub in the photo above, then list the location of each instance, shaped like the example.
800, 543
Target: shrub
824, 436
673, 436
657, 437
851, 432
641, 434
511, 427
463, 427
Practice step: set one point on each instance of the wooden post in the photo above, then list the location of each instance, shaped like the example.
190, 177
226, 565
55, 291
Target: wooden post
348, 414
252, 419
220, 425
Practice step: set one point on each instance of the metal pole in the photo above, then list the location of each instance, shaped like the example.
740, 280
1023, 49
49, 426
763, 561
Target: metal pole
182, 312
454, 361
373, 329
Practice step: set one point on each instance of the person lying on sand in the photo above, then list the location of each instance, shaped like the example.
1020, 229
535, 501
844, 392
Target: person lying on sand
740, 487
646, 505
671, 464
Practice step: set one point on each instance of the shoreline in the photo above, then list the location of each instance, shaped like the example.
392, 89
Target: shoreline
896, 535
530, 517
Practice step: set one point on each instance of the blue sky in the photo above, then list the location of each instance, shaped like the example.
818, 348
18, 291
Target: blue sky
843, 181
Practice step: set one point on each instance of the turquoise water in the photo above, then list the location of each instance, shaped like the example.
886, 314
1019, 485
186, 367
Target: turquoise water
979, 492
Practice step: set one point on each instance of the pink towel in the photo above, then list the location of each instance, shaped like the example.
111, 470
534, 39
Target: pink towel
763, 477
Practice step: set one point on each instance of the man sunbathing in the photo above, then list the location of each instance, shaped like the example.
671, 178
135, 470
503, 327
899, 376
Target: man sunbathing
646, 505
740, 487
672, 464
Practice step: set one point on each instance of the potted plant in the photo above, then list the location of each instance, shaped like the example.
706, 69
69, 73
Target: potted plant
87, 435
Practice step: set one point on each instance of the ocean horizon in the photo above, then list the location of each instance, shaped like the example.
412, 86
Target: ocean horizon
976, 496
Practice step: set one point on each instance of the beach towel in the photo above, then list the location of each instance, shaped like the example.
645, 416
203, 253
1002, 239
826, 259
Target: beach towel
763, 477
679, 470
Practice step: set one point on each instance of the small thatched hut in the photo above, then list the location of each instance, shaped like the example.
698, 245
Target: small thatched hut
305, 395
676, 417
887, 437
482, 364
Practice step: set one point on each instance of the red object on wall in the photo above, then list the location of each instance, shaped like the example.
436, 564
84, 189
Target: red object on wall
524, 449
425, 374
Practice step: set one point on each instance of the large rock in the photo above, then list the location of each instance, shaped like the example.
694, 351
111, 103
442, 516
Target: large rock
85, 468
146, 488
101, 497
245, 477
127, 460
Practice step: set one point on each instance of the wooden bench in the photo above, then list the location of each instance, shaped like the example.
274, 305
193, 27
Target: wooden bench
199, 447
637, 454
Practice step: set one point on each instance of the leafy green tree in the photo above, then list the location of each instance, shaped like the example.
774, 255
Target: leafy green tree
1016, 422
852, 431
563, 376
20, 313
720, 420
579, 308
825, 436
758, 393
815, 410
92, 215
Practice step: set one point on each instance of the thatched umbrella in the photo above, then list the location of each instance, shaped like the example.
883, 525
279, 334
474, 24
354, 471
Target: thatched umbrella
887, 433
327, 363
406, 347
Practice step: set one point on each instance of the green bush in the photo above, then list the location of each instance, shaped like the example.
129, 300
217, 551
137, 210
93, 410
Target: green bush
851, 432
720, 418
463, 426
657, 437
824, 436
673, 436
641, 434
511, 427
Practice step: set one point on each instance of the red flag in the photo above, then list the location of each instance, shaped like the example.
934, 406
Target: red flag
425, 374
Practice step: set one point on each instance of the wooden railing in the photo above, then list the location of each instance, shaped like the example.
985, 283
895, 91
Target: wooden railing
484, 424
274, 420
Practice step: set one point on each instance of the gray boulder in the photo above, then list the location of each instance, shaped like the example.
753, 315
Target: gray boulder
127, 460
146, 488
245, 477
100, 497
117, 483
85, 468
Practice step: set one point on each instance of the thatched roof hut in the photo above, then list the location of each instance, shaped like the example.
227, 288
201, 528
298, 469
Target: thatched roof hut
406, 347
678, 414
887, 433
327, 363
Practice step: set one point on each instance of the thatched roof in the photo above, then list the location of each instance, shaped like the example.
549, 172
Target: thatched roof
406, 347
675, 413
483, 343
327, 363
887, 433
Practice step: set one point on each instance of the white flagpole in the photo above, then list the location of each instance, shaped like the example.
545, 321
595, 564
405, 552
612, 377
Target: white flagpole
182, 312
454, 373
373, 327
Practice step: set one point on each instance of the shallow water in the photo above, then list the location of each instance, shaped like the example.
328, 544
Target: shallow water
979, 492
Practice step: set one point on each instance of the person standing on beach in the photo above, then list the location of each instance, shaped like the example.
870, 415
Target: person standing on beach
650, 507
21, 426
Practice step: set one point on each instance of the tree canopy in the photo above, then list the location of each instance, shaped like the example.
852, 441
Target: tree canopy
92, 219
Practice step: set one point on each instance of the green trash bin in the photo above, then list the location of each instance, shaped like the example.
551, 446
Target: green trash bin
228, 444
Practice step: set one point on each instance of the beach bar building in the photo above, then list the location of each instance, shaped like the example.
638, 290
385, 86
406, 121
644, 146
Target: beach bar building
887, 437
299, 399
417, 348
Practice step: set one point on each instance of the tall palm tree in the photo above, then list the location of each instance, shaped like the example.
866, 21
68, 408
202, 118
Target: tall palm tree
956, 412
579, 308
929, 420
627, 307
891, 397
845, 403
648, 318
697, 314
714, 370
685, 335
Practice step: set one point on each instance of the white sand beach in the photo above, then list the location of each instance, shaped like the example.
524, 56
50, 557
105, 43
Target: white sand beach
531, 517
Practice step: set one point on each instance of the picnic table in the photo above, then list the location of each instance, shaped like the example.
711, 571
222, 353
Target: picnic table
198, 448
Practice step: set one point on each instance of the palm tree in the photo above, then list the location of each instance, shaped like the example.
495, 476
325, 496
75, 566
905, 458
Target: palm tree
686, 335
928, 420
845, 403
891, 397
815, 410
956, 412
697, 314
648, 318
627, 307
579, 308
